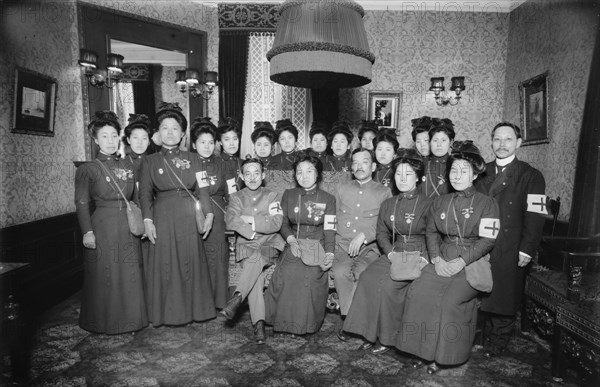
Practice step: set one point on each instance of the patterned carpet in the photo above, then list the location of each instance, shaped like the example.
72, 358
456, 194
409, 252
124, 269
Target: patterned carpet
218, 354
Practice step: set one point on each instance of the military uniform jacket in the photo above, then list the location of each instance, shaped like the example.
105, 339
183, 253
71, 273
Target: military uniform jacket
158, 179
357, 210
520, 193
264, 206
232, 171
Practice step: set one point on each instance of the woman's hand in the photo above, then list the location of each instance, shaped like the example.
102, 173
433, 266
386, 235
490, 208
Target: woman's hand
294, 246
208, 223
450, 268
328, 261
89, 240
150, 230
456, 265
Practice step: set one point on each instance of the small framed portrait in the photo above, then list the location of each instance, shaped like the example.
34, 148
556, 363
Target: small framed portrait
383, 107
533, 95
34, 103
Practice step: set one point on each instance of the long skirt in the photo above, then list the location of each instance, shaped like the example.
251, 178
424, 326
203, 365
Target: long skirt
378, 304
296, 298
113, 287
217, 255
179, 290
440, 318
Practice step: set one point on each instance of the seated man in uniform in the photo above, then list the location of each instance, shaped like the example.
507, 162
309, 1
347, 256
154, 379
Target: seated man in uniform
255, 214
357, 203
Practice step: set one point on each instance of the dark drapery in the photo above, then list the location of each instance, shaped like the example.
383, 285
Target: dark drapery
233, 63
325, 105
143, 97
584, 219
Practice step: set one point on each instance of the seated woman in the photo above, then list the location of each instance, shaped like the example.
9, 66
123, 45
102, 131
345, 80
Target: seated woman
228, 135
287, 137
386, 145
420, 135
263, 138
318, 143
441, 136
297, 295
340, 138
366, 133
378, 303
440, 312
113, 287
211, 175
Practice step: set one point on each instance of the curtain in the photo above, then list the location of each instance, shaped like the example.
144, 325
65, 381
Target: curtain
233, 62
267, 100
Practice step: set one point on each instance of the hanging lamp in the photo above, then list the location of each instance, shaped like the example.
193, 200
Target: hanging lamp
321, 44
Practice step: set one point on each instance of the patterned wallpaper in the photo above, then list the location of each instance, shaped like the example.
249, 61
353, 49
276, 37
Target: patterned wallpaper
555, 36
412, 47
36, 173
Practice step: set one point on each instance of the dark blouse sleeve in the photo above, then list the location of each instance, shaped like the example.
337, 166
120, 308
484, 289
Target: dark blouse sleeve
286, 228
384, 234
330, 234
83, 197
145, 191
484, 245
432, 235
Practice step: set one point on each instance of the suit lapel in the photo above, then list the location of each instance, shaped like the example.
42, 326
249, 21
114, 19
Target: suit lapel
505, 179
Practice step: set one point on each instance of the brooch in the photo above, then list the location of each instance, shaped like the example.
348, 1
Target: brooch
392, 217
409, 217
160, 171
442, 216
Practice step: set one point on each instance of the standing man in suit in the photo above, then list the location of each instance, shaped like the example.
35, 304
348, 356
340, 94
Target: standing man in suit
520, 192
357, 203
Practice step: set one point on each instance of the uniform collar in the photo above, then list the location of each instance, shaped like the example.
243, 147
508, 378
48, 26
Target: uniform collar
104, 157
411, 194
365, 183
209, 158
226, 156
134, 155
342, 157
466, 193
166, 151
439, 159
309, 191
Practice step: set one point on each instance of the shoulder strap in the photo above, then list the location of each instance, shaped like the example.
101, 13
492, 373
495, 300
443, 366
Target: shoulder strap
113, 181
179, 180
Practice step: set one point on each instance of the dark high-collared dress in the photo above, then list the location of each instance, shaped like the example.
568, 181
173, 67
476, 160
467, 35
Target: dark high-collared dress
179, 288
232, 172
378, 303
440, 313
285, 161
384, 175
113, 289
341, 163
436, 176
323, 156
215, 245
297, 295
137, 160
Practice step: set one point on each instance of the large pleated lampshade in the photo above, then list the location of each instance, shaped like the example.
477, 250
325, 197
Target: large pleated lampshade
321, 44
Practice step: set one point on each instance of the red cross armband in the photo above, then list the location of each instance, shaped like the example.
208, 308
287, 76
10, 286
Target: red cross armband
330, 222
231, 186
202, 179
537, 203
489, 227
275, 209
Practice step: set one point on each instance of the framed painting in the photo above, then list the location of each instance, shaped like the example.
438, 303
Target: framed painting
383, 107
34, 103
533, 94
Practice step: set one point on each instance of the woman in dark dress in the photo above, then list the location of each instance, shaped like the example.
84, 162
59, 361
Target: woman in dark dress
318, 144
440, 313
420, 135
228, 135
378, 303
386, 145
297, 294
441, 136
366, 133
113, 288
203, 134
287, 137
179, 289
340, 139
263, 138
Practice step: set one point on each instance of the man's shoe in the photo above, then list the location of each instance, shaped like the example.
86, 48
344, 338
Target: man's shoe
232, 306
342, 336
365, 346
432, 368
259, 332
379, 349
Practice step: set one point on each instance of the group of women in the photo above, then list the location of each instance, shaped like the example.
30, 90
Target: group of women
178, 272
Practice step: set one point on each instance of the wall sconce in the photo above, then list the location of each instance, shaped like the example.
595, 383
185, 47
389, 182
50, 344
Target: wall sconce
437, 86
189, 80
98, 77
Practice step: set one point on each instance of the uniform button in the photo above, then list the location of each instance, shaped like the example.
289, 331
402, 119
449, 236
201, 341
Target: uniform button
504, 183
353, 230
509, 202
356, 217
508, 216
505, 230
360, 192
255, 209
358, 205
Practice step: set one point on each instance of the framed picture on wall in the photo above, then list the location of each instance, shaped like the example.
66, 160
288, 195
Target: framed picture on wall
383, 107
533, 95
34, 103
